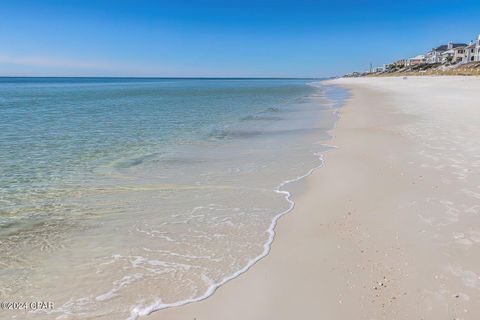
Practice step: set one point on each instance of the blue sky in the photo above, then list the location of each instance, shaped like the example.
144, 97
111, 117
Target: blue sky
222, 38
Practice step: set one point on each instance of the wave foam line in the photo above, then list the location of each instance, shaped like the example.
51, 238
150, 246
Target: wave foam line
145, 311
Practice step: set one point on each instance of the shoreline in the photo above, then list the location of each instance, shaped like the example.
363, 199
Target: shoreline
348, 250
187, 220
136, 314
280, 189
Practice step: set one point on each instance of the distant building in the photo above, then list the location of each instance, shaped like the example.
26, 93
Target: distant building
435, 55
451, 53
447, 56
443, 52
470, 52
420, 59
459, 55
476, 51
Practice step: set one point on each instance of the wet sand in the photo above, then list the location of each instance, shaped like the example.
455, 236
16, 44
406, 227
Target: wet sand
389, 228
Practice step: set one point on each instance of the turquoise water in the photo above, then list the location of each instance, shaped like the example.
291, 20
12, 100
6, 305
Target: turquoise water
57, 131
145, 193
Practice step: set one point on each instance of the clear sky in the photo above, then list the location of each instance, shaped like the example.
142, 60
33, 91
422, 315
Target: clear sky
226, 38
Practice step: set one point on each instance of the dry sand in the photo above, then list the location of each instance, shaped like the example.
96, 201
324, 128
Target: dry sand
389, 228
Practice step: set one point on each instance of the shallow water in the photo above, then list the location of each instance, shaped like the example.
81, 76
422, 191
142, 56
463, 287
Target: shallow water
121, 196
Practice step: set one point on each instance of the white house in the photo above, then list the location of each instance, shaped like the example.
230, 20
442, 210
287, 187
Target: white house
477, 49
459, 55
472, 51
420, 59
442, 53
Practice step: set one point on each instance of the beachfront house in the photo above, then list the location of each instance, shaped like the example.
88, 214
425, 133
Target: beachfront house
420, 59
470, 52
476, 55
447, 56
459, 54
435, 55
451, 53
443, 53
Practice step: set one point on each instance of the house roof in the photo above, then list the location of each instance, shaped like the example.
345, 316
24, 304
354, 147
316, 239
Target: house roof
419, 57
441, 48
444, 47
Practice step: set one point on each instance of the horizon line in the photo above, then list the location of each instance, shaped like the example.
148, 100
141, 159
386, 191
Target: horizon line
170, 77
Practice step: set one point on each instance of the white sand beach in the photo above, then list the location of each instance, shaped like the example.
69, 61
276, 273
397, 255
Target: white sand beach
389, 228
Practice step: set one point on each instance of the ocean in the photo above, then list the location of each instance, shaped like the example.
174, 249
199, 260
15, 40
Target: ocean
121, 196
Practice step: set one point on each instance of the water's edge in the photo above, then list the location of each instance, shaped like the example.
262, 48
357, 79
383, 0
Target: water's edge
137, 312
